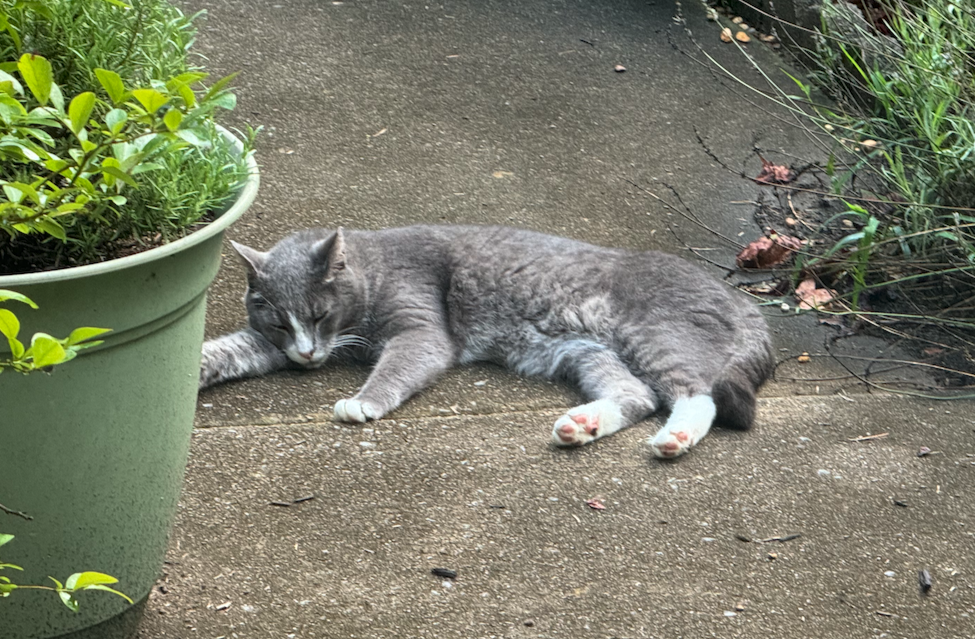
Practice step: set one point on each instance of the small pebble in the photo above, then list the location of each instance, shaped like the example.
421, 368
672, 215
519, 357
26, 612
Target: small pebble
368, 444
729, 613
529, 623
619, 68
923, 451
890, 573
924, 581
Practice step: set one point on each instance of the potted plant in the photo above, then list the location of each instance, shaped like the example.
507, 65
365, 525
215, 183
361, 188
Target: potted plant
117, 186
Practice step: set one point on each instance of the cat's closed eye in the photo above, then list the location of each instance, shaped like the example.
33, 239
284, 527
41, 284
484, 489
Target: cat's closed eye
321, 317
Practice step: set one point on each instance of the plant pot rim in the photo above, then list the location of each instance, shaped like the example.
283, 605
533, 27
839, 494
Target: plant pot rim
246, 196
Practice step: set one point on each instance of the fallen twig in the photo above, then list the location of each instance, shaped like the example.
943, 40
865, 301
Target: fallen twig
867, 438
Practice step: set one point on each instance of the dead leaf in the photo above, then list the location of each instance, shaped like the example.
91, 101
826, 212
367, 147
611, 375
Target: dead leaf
767, 287
741, 36
768, 251
811, 297
774, 173
737, 19
596, 504
726, 35
804, 358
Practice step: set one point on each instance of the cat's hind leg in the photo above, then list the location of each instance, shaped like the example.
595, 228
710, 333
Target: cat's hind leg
689, 421
618, 399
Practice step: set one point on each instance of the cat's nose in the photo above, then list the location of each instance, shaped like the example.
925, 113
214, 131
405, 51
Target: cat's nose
306, 354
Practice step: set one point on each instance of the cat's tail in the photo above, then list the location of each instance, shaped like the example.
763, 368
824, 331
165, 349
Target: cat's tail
752, 364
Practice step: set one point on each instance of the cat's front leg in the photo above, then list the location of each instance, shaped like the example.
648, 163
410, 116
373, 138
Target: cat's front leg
410, 362
245, 353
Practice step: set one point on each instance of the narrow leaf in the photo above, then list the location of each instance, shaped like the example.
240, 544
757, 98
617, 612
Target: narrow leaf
111, 590
51, 227
5, 538
85, 333
119, 174
17, 297
219, 85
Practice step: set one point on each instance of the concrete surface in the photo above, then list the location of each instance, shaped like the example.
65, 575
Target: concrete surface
497, 111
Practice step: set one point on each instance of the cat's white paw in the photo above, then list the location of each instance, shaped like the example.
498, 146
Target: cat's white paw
355, 411
583, 424
666, 444
689, 421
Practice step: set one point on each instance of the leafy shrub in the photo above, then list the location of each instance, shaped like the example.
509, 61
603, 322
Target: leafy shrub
100, 161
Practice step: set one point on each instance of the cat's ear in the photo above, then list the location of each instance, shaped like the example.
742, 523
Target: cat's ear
253, 259
330, 254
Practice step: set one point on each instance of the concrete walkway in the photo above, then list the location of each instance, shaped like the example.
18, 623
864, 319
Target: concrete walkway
497, 111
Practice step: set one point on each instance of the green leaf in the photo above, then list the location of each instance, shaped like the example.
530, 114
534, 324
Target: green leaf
45, 351
17, 297
172, 119
25, 189
111, 590
12, 32
16, 349
5, 538
150, 99
115, 119
51, 227
81, 580
218, 86
14, 83
36, 72
57, 98
112, 83
85, 333
5, 566
9, 325
68, 599
225, 101
80, 110
119, 174
7, 588
118, 3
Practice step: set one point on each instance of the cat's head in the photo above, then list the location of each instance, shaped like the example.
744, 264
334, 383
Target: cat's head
300, 295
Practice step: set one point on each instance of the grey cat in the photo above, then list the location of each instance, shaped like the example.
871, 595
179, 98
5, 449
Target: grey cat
637, 332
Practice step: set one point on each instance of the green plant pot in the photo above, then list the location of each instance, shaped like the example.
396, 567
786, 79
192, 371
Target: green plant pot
96, 450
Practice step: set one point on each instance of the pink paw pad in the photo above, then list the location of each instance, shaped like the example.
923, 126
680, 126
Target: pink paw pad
682, 437
669, 449
567, 433
589, 423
